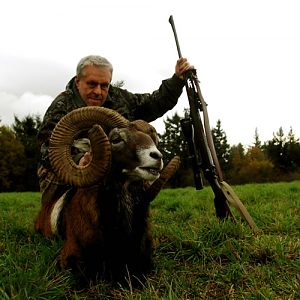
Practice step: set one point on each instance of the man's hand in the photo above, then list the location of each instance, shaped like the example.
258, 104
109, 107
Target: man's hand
85, 159
182, 66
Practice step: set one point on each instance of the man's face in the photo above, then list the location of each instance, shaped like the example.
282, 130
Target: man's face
93, 85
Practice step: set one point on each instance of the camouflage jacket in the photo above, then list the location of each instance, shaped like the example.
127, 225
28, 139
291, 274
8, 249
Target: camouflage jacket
146, 106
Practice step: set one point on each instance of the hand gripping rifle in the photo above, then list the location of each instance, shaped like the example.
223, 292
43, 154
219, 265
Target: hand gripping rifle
202, 150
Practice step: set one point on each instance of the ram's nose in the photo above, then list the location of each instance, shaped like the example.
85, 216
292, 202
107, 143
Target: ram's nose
156, 155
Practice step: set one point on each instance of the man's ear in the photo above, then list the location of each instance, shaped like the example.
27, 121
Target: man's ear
77, 81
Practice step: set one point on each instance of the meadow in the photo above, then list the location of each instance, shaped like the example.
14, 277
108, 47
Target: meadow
196, 256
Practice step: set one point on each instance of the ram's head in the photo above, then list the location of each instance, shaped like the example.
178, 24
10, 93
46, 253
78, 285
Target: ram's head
130, 145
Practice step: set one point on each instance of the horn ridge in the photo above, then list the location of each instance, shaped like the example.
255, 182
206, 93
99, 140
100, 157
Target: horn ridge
98, 121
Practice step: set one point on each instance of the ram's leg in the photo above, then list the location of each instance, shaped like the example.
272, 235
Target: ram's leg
70, 256
81, 232
145, 263
47, 221
42, 221
51, 192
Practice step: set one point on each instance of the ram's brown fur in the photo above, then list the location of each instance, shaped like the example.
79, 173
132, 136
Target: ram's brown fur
105, 226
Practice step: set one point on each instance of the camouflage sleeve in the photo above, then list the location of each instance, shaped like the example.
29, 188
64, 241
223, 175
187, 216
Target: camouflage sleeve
55, 112
150, 106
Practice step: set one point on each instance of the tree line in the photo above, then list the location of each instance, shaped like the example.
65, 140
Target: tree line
19, 155
275, 160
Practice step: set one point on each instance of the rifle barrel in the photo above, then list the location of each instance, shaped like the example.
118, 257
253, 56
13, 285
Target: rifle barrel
171, 21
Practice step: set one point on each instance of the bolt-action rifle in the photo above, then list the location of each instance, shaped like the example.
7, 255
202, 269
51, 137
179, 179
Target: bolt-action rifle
202, 150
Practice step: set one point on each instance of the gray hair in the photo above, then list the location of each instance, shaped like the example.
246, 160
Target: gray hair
93, 60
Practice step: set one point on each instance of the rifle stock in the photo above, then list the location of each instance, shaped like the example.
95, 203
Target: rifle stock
188, 133
202, 150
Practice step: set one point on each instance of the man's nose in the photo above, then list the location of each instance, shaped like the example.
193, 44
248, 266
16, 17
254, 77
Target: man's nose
97, 89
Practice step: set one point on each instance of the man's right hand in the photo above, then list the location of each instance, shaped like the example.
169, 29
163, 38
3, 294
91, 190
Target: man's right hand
182, 66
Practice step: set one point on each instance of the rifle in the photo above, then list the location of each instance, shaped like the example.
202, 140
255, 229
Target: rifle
202, 150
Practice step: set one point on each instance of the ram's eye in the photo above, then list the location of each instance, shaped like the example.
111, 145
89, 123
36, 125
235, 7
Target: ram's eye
116, 140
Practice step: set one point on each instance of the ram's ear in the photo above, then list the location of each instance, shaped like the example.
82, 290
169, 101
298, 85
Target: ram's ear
152, 190
96, 121
145, 127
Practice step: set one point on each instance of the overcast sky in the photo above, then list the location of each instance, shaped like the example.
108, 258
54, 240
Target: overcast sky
247, 55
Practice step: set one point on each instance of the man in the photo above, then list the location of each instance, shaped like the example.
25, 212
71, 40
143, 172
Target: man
92, 87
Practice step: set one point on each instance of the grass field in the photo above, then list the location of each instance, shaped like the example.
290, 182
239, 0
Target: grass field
196, 256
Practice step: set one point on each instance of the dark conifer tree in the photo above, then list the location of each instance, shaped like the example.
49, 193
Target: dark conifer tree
26, 132
221, 145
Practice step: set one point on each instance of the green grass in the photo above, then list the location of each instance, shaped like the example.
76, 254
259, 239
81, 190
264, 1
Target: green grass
196, 256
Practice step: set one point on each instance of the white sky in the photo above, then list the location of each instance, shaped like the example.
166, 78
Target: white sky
247, 54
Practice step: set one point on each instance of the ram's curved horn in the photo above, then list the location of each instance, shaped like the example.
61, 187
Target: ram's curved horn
98, 121
152, 190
